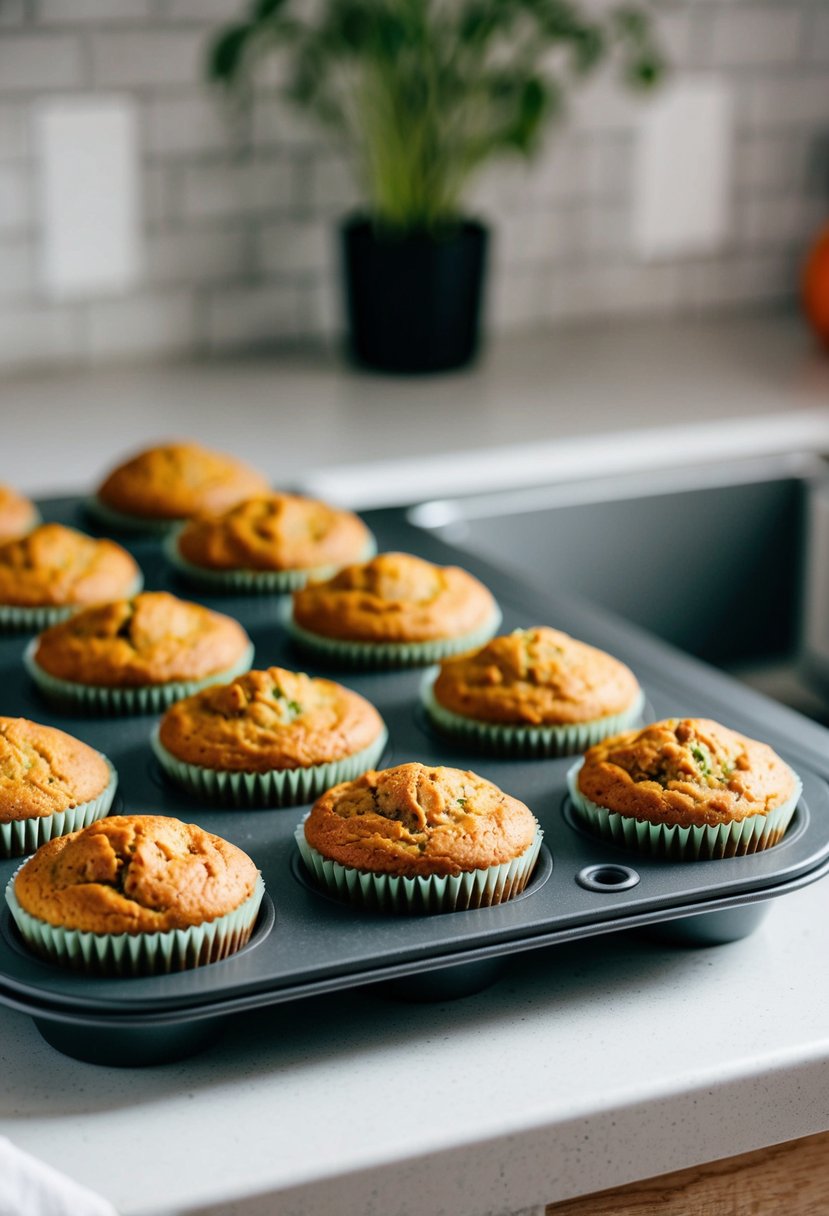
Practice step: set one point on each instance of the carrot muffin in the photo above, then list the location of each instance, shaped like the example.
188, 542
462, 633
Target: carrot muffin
54, 570
420, 839
137, 655
50, 784
686, 788
273, 543
395, 611
269, 738
533, 692
136, 894
17, 515
164, 485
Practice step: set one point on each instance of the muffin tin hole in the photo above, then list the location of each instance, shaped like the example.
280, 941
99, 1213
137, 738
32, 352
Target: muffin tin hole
607, 878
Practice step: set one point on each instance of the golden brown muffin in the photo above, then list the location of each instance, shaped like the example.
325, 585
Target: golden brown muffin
44, 770
689, 771
395, 597
417, 820
17, 514
535, 677
267, 720
54, 565
153, 638
135, 874
274, 532
178, 480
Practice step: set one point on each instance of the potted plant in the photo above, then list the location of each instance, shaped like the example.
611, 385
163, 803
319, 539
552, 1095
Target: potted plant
421, 94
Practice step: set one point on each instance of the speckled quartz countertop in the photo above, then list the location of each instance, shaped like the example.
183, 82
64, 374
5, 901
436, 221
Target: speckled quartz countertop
586, 1066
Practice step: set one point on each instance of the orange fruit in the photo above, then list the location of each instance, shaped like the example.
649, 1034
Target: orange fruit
815, 286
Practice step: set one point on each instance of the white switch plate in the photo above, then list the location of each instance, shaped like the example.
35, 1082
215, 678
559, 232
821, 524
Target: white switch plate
682, 183
89, 211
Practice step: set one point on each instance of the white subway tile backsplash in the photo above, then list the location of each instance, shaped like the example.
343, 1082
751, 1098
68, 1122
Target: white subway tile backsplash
145, 58
29, 63
240, 208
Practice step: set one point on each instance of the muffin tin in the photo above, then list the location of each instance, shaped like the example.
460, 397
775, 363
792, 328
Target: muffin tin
306, 943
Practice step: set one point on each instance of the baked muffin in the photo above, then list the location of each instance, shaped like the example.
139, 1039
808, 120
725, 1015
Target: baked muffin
164, 485
136, 894
533, 692
686, 788
48, 574
396, 610
50, 784
416, 838
273, 543
137, 655
17, 515
269, 738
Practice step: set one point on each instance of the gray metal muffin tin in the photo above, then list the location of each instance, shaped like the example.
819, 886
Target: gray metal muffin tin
305, 943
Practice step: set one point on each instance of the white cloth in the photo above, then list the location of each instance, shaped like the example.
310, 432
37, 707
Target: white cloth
29, 1187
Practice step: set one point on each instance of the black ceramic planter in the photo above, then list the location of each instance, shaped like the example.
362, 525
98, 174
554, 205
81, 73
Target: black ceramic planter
414, 302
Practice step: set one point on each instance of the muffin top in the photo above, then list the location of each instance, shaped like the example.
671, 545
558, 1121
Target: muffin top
17, 514
135, 874
418, 820
395, 597
150, 639
274, 532
44, 770
177, 480
535, 677
267, 720
54, 565
689, 771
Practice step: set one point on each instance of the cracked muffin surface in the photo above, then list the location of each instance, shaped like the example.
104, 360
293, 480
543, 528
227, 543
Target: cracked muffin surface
419, 820
395, 597
153, 638
43, 770
54, 565
274, 532
535, 677
177, 480
686, 771
266, 720
135, 874
17, 514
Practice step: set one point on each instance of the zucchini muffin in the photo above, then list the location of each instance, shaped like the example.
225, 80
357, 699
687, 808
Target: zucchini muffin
533, 692
50, 784
164, 485
416, 838
269, 738
273, 543
48, 574
136, 894
687, 788
396, 610
137, 655
17, 515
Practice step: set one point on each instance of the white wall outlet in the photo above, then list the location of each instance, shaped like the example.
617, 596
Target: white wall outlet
89, 208
682, 182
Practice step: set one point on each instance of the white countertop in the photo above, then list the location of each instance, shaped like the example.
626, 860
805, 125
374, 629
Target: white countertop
587, 1066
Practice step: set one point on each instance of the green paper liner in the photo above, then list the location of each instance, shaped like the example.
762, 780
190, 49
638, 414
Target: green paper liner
391, 654
108, 517
143, 699
18, 618
528, 742
27, 835
415, 896
252, 582
126, 954
285, 787
708, 843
